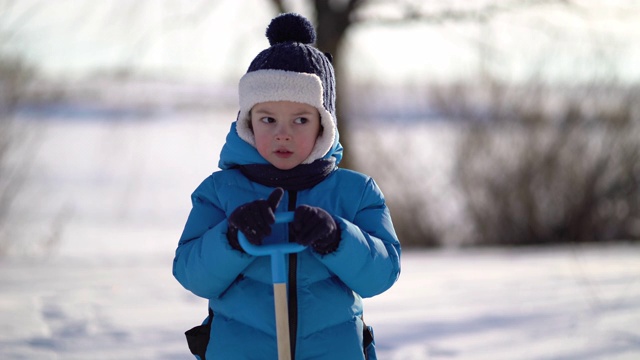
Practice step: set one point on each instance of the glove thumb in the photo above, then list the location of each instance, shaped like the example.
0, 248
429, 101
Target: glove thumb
274, 198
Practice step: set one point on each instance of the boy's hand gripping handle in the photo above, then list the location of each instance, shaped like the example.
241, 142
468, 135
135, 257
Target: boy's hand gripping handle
283, 248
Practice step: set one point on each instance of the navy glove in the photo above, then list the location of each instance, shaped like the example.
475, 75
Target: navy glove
254, 219
312, 226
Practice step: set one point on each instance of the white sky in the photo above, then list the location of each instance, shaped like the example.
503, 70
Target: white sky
216, 40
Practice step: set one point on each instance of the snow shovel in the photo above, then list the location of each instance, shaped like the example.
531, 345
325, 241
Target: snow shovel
278, 274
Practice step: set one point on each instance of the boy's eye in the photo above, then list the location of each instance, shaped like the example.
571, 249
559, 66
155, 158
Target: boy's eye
301, 120
268, 120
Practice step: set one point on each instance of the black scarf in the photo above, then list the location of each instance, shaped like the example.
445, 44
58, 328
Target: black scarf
303, 176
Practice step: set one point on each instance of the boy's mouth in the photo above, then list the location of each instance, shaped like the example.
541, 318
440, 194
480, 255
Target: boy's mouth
283, 153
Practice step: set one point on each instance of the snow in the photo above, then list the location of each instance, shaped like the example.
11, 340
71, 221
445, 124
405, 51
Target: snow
86, 271
564, 303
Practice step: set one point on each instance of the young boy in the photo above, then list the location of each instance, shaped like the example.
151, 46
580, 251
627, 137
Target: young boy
284, 148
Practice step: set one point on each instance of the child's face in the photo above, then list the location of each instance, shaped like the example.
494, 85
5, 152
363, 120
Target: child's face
285, 132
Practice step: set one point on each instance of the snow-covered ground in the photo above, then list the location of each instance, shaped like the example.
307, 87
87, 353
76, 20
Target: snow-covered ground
86, 271
570, 303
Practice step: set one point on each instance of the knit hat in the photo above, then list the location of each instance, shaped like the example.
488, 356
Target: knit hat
291, 70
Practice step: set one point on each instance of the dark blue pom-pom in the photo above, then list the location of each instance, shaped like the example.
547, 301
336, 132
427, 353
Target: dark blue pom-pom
291, 27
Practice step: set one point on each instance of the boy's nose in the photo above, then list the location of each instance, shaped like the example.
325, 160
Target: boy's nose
283, 137
283, 133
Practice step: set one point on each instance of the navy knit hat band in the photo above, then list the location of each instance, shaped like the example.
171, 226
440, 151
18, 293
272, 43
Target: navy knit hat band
281, 85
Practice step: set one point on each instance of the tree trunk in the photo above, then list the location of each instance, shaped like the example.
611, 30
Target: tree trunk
332, 21
332, 24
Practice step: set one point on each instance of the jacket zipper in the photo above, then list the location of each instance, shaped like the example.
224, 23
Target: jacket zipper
293, 284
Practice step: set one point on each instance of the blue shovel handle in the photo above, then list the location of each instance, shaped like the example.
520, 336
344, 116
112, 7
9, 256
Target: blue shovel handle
276, 251
282, 248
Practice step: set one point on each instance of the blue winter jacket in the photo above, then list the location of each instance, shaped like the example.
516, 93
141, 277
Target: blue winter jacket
325, 292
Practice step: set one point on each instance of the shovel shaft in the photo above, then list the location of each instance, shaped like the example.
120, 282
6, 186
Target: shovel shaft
282, 320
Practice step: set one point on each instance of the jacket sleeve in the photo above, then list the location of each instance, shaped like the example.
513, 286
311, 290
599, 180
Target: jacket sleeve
204, 262
368, 257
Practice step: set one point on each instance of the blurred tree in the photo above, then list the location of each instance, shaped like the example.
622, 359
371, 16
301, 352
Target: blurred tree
540, 171
334, 18
15, 74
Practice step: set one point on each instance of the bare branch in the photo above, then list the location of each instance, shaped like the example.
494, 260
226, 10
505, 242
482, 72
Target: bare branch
412, 12
355, 5
280, 6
